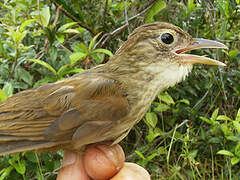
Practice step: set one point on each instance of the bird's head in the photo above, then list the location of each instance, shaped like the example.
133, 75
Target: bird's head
159, 49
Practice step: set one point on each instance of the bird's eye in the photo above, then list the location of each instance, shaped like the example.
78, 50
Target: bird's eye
167, 38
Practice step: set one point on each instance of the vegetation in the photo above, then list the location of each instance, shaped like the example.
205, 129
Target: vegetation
191, 131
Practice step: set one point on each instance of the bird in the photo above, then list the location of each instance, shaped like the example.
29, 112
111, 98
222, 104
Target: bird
102, 103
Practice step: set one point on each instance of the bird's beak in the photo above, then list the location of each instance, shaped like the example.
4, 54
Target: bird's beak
195, 59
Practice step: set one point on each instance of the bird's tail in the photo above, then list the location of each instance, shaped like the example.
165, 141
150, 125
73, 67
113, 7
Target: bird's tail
7, 147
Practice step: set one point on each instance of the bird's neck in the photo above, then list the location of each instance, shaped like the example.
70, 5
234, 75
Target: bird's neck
142, 77
142, 81
143, 71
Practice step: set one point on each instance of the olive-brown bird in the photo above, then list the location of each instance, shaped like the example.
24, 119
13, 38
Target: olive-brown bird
102, 103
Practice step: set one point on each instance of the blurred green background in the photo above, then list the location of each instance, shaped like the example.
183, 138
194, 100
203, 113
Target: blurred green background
191, 131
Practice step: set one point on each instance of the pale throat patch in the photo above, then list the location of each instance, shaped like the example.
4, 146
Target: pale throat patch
168, 75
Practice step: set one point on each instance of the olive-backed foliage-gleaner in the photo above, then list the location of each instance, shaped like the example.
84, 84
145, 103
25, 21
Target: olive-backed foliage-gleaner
102, 103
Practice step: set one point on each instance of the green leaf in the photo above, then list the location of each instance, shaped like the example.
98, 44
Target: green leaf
60, 37
223, 117
63, 68
8, 89
83, 47
140, 154
233, 138
159, 132
5, 172
74, 57
25, 76
153, 133
151, 119
66, 26
203, 133
3, 96
161, 108
44, 64
31, 156
237, 149
74, 31
44, 81
192, 154
25, 24
165, 97
4, 6
74, 71
120, 6
225, 152
226, 130
104, 51
207, 120
214, 114
93, 41
162, 150
50, 34
19, 165
149, 158
235, 160
155, 9
45, 16
237, 126
223, 5
238, 115
53, 53
16, 35
233, 53
151, 136
185, 101
191, 5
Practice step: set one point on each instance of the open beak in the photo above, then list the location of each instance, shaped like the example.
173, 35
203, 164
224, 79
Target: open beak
199, 43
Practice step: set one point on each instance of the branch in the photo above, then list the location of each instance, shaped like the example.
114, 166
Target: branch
112, 34
73, 18
169, 132
211, 18
40, 18
149, 3
126, 14
57, 15
105, 11
43, 50
160, 138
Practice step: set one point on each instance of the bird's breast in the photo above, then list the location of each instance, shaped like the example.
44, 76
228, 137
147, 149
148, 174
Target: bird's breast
140, 98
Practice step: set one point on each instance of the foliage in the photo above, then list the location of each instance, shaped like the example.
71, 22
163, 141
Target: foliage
191, 131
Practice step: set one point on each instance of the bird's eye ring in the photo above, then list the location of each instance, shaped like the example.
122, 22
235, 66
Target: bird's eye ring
167, 38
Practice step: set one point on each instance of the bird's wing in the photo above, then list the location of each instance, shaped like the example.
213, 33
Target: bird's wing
94, 109
54, 112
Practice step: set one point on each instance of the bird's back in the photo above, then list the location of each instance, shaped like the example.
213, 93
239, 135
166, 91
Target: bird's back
52, 114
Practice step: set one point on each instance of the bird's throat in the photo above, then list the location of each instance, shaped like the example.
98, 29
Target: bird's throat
143, 80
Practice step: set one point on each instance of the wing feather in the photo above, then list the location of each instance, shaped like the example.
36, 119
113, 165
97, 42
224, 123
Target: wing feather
53, 112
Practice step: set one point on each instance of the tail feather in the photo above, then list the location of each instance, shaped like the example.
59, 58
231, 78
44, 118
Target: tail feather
24, 145
6, 138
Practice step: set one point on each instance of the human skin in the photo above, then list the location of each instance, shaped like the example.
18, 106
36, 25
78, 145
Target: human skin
100, 165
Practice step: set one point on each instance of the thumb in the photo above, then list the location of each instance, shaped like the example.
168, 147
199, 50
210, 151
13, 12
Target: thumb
72, 167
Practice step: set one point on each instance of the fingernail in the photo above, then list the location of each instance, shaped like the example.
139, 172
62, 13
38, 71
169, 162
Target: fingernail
69, 158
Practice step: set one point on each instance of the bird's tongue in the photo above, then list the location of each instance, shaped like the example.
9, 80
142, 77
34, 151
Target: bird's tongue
197, 44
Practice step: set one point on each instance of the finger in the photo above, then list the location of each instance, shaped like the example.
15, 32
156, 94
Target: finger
72, 167
132, 171
102, 161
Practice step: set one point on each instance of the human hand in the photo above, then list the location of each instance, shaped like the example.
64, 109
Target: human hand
100, 162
